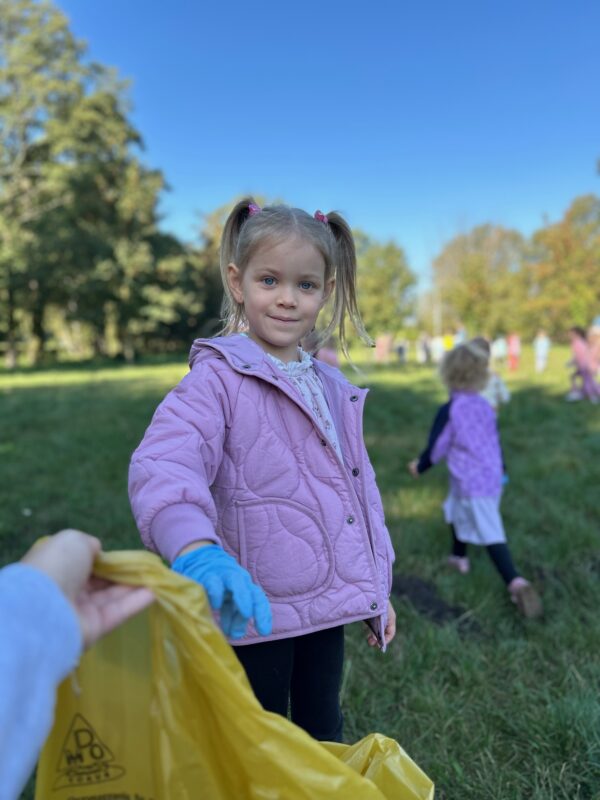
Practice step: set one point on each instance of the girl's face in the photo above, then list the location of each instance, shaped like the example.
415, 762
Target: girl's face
282, 289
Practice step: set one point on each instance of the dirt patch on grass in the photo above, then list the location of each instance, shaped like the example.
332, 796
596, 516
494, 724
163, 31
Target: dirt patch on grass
424, 597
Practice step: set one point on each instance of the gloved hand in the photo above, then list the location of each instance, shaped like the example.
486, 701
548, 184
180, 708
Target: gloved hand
229, 588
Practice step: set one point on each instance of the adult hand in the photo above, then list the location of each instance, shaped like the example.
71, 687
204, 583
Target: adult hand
389, 631
229, 588
67, 558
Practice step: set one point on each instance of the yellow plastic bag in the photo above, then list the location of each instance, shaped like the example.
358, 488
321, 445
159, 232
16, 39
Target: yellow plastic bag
161, 710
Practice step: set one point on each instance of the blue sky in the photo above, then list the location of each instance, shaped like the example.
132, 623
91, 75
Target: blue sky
418, 121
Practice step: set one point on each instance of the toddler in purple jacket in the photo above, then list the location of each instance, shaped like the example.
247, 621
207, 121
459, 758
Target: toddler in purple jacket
464, 432
253, 478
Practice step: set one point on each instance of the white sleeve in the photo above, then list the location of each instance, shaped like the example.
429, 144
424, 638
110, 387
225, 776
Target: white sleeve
503, 391
40, 644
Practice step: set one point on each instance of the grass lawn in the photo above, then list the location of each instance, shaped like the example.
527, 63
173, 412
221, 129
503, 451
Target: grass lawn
492, 707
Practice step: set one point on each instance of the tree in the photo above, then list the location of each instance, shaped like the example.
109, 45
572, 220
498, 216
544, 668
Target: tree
563, 278
40, 74
78, 210
478, 280
385, 284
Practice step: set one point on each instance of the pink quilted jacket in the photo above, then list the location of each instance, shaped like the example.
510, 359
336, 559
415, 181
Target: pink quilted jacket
233, 455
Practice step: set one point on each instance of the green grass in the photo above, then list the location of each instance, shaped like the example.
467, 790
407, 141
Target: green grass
492, 707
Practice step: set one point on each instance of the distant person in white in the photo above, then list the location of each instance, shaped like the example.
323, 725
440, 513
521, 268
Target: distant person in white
437, 349
541, 348
50, 609
499, 350
495, 391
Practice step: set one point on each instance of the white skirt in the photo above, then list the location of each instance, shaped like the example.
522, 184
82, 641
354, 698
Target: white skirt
476, 520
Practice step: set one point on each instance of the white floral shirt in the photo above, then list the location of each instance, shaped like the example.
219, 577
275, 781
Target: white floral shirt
303, 376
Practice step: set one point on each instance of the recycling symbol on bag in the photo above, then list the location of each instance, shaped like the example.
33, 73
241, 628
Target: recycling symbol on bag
85, 760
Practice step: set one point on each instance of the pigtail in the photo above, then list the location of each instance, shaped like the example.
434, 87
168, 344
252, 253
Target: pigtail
232, 314
344, 297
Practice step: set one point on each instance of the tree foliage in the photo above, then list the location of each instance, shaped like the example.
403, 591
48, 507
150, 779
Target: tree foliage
477, 279
78, 209
86, 269
494, 280
385, 285
563, 278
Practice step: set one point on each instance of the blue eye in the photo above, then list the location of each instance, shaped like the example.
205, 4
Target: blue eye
269, 281
306, 285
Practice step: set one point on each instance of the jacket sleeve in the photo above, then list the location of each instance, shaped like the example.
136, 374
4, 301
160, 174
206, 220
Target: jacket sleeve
40, 644
439, 439
173, 468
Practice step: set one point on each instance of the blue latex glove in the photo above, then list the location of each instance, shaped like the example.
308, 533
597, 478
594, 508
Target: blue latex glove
229, 588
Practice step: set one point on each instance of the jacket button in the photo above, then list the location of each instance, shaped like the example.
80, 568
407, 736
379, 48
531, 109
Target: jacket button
373, 606
354, 398
355, 471
323, 442
349, 520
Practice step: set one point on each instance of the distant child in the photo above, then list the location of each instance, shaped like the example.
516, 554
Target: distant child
448, 340
464, 432
499, 350
593, 338
583, 384
541, 349
437, 349
253, 478
513, 345
495, 390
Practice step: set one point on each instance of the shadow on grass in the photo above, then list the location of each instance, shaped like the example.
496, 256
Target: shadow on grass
425, 599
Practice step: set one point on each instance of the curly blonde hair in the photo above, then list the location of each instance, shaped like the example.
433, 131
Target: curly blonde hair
465, 367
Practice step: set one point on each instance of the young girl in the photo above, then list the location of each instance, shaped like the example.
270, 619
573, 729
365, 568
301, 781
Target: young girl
464, 433
253, 478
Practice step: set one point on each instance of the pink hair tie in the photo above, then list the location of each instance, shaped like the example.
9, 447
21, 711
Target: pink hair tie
321, 217
253, 209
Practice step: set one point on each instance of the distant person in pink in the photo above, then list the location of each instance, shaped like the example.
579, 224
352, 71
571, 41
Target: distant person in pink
583, 385
514, 351
593, 338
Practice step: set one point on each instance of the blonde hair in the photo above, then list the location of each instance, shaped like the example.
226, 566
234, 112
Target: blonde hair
483, 344
245, 233
465, 367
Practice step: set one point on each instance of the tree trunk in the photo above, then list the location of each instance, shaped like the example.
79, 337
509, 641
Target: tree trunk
128, 348
38, 330
10, 355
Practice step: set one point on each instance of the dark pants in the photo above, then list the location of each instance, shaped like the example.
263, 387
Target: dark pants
304, 672
499, 553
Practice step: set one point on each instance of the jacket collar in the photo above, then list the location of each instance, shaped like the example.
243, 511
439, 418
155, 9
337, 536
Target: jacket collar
244, 355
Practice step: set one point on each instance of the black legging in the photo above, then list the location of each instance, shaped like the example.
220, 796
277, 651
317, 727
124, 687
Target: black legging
499, 553
304, 671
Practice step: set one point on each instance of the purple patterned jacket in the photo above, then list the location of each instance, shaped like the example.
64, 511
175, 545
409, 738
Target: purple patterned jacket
465, 433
